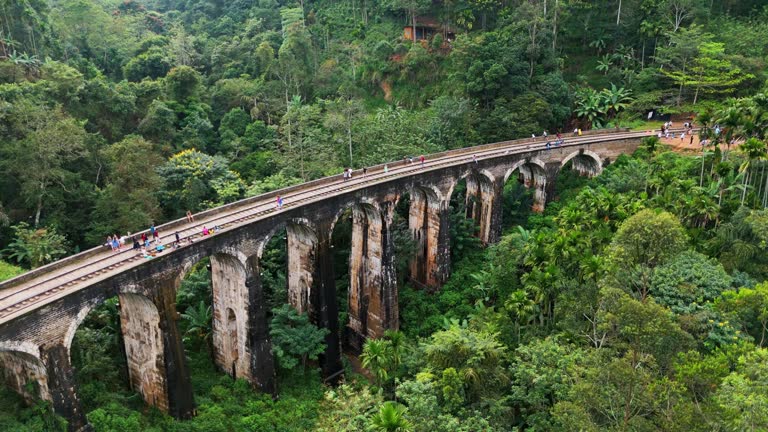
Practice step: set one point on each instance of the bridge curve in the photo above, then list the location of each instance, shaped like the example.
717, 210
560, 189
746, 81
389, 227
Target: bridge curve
43, 307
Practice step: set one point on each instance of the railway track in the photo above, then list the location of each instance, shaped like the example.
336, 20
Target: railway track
17, 299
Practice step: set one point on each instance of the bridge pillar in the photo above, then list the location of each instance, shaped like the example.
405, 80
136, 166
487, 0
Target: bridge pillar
428, 220
233, 315
325, 308
258, 342
62, 388
484, 205
156, 361
373, 286
302, 248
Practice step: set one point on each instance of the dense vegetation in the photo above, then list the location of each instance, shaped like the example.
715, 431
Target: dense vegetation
636, 302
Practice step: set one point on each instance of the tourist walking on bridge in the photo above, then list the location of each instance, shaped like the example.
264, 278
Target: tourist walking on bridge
190, 216
421, 159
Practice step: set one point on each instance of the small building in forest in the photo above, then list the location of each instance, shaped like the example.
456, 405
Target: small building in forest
426, 28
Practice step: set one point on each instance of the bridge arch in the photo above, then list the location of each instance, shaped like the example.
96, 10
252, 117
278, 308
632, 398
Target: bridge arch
585, 161
20, 365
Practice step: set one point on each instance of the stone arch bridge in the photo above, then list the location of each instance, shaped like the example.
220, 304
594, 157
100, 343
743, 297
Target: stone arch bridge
41, 310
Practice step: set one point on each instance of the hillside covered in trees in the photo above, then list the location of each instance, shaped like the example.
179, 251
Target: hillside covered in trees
636, 302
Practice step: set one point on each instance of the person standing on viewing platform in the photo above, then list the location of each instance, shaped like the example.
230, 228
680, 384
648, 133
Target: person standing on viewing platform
190, 216
422, 160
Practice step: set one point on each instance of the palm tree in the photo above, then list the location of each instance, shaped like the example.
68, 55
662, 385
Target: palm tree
199, 321
376, 358
391, 418
754, 149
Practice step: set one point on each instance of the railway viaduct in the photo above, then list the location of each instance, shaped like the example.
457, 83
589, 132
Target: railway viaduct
41, 310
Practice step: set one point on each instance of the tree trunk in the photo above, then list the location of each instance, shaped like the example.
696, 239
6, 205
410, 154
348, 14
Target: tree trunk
554, 27
39, 205
618, 15
680, 92
746, 180
349, 139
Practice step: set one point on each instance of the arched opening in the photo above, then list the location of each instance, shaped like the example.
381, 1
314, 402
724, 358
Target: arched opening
524, 191
232, 342
574, 173
517, 201
25, 384
467, 209
341, 245
100, 356
287, 261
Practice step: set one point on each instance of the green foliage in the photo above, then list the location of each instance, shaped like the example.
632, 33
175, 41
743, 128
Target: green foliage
648, 238
294, 338
195, 181
476, 355
8, 270
688, 282
347, 409
35, 247
391, 417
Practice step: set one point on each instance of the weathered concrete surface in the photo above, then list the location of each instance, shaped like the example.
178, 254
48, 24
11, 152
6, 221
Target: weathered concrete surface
262, 367
230, 316
154, 350
428, 220
25, 374
302, 244
140, 324
372, 290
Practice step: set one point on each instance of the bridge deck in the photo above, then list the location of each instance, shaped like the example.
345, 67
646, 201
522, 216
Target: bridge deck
23, 294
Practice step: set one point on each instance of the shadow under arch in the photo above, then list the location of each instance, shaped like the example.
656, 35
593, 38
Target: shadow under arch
585, 162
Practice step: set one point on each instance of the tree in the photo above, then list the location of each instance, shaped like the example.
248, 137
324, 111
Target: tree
183, 83
194, 181
476, 355
741, 395
391, 418
199, 323
648, 238
129, 201
35, 246
710, 71
41, 159
294, 338
688, 282
749, 307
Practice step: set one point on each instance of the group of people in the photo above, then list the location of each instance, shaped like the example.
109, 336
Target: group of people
666, 131
557, 143
409, 160
150, 244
